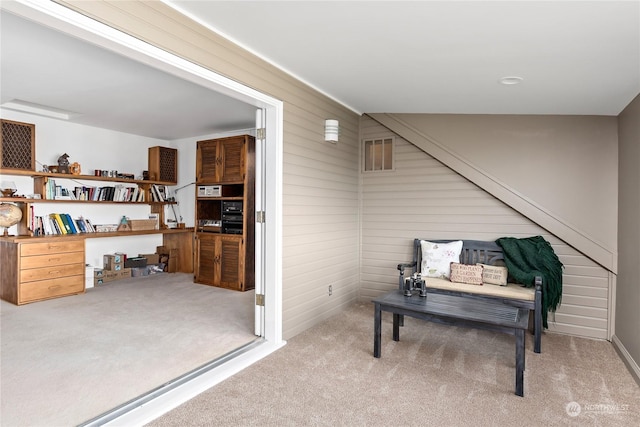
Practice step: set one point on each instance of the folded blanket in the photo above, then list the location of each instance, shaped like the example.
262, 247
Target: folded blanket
530, 257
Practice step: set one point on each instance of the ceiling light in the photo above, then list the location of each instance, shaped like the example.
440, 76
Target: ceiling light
41, 110
511, 80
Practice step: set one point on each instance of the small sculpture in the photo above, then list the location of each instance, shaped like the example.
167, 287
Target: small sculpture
74, 168
63, 163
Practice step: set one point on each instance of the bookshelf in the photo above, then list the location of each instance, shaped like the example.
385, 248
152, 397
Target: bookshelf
42, 180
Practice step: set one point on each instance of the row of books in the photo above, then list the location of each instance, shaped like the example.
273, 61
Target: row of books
116, 193
158, 193
109, 193
60, 224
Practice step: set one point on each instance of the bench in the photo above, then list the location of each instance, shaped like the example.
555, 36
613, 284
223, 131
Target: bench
473, 252
453, 310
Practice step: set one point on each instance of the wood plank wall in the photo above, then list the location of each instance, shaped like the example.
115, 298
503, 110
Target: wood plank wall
320, 190
424, 198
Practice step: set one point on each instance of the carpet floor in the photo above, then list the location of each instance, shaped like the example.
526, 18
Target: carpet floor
67, 360
435, 375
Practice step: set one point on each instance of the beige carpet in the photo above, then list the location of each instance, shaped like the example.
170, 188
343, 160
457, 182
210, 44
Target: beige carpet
436, 375
67, 360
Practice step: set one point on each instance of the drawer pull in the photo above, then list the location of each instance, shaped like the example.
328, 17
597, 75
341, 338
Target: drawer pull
54, 273
54, 287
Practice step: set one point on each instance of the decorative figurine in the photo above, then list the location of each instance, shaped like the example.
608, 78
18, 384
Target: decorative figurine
63, 163
74, 168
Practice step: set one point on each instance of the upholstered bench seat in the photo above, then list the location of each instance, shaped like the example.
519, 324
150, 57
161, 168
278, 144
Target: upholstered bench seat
512, 290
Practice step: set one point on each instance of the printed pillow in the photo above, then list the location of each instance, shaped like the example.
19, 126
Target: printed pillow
437, 258
463, 273
494, 274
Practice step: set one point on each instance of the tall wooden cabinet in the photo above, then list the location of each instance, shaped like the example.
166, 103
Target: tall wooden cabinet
225, 212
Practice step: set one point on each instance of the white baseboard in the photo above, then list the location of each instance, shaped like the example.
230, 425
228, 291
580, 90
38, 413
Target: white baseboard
626, 357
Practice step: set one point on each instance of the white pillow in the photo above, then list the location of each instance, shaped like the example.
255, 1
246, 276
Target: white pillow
437, 258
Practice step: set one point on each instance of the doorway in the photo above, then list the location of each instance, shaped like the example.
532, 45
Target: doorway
67, 21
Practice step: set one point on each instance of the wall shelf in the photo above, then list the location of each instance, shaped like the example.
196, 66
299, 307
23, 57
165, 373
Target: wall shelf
18, 239
35, 174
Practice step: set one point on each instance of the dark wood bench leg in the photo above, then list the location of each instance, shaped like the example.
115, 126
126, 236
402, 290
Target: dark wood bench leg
397, 319
377, 331
537, 322
520, 362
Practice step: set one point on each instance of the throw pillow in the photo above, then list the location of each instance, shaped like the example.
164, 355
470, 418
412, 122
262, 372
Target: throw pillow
437, 258
463, 273
494, 274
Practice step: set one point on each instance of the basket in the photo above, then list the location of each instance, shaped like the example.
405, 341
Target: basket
143, 224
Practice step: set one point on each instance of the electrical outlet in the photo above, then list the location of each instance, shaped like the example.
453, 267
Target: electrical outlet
330, 290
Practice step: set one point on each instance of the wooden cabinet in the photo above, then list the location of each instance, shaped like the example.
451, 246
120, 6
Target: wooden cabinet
220, 261
222, 160
225, 254
34, 270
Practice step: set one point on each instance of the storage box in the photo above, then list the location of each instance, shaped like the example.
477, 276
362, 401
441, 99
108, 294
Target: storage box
114, 267
151, 258
98, 273
98, 281
114, 262
136, 262
88, 276
143, 224
139, 271
124, 274
116, 258
110, 276
169, 257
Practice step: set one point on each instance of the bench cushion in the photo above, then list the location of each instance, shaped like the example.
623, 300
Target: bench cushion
512, 290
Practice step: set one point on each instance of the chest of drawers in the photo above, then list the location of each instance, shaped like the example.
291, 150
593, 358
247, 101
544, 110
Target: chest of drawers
34, 271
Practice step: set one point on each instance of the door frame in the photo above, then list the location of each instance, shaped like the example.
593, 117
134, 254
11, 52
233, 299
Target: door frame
73, 23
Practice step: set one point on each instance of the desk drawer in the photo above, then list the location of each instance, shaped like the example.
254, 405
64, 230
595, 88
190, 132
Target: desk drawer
51, 260
51, 272
44, 248
44, 289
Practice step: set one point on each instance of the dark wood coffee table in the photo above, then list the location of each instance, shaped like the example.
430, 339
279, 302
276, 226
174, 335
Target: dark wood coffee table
455, 310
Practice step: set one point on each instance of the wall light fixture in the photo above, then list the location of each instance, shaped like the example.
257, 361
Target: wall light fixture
331, 130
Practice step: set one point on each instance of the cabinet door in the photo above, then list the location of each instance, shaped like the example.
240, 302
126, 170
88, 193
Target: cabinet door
231, 152
207, 161
231, 262
205, 268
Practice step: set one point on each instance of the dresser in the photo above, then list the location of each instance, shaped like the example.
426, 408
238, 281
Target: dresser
37, 269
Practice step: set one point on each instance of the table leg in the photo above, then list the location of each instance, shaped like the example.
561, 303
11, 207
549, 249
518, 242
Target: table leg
377, 331
520, 362
397, 319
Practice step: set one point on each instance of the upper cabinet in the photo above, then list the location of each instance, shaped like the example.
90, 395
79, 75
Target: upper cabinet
222, 160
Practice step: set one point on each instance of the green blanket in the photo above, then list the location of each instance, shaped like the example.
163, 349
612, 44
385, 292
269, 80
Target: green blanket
530, 257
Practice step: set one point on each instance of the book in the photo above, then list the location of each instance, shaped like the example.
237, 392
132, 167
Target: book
80, 225
57, 224
90, 226
65, 223
72, 223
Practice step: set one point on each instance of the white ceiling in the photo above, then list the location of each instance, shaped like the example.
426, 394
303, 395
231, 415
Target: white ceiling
100, 88
575, 57
418, 57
